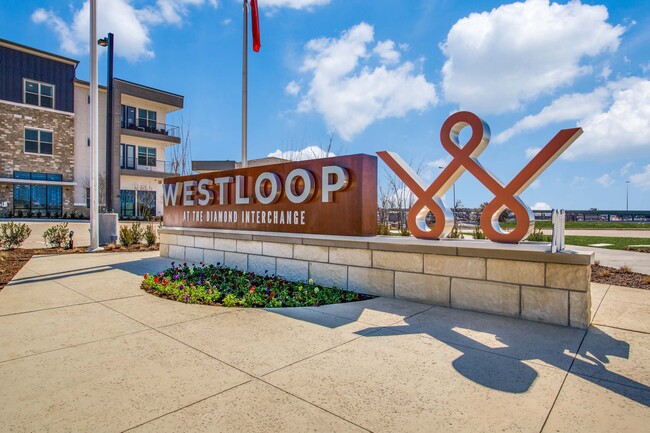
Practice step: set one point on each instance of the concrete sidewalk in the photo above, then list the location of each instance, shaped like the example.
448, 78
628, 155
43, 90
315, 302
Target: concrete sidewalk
82, 348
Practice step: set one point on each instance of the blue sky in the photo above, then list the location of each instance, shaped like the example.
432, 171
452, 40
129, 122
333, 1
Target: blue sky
385, 74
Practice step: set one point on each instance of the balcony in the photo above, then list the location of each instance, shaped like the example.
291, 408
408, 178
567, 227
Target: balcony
152, 130
140, 167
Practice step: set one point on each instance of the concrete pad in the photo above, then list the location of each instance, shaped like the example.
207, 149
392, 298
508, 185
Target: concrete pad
615, 355
157, 312
622, 307
598, 292
259, 341
594, 406
254, 407
114, 284
22, 297
57, 328
110, 385
389, 382
520, 339
377, 311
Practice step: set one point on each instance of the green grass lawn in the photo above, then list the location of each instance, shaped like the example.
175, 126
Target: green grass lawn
617, 243
585, 225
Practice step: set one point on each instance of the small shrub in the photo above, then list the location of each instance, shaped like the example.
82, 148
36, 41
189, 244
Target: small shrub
137, 233
230, 301
382, 229
647, 280
538, 236
57, 236
455, 233
625, 269
125, 236
404, 231
477, 233
596, 262
12, 235
605, 273
150, 236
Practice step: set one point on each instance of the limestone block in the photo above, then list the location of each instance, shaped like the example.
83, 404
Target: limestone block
407, 262
329, 275
177, 252
351, 256
571, 277
236, 260
213, 257
311, 253
430, 289
514, 271
204, 242
166, 238
164, 250
545, 305
225, 244
261, 265
454, 266
292, 270
486, 296
249, 247
579, 309
371, 281
186, 241
193, 255
276, 249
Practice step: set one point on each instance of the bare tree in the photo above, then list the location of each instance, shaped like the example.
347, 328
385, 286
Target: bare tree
180, 157
145, 202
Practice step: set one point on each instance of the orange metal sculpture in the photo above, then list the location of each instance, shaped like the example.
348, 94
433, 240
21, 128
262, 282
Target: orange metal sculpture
465, 159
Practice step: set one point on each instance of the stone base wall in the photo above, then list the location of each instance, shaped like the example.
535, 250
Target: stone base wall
510, 280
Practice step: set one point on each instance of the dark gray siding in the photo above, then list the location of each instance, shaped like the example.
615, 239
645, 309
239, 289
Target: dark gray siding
16, 65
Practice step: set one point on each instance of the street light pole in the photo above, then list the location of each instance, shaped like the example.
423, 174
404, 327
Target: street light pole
94, 133
108, 42
627, 195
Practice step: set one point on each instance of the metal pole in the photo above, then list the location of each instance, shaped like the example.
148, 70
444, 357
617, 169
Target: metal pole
454, 187
627, 195
94, 132
109, 127
244, 96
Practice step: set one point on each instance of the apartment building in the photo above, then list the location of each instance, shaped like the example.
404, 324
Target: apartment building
45, 139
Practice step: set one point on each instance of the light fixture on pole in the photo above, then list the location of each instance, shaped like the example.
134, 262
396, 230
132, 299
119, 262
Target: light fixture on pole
108, 42
94, 133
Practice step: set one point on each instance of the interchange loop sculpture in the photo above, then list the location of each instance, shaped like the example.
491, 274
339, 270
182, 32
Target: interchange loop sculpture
465, 158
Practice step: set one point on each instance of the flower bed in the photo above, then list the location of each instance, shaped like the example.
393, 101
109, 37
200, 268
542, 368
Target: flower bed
212, 285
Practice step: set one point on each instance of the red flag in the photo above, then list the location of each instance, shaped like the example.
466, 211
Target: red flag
255, 18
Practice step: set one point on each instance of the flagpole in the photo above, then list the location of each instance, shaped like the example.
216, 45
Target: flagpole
244, 96
94, 133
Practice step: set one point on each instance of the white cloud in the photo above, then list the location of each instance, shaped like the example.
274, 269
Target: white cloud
292, 88
536, 185
567, 107
605, 180
129, 24
500, 59
642, 180
227, 22
625, 170
620, 131
540, 205
310, 152
351, 92
292, 4
387, 52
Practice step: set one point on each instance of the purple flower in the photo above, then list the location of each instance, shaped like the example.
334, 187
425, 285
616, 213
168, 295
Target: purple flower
181, 287
176, 276
187, 298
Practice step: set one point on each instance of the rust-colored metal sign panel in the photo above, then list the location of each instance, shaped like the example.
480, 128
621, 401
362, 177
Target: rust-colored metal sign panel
336, 196
465, 159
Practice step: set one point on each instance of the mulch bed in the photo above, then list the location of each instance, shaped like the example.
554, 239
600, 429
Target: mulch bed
12, 261
619, 277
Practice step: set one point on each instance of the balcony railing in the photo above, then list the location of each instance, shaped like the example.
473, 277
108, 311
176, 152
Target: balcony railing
153, 128
160, 166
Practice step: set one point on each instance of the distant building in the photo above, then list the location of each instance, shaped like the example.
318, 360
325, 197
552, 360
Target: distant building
45, 139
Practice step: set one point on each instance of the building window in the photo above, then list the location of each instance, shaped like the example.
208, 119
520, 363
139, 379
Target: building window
38, 141
39, 94
128, 117
127, 156
34, 199
147, 156
146, 203
147, 120
127, 203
